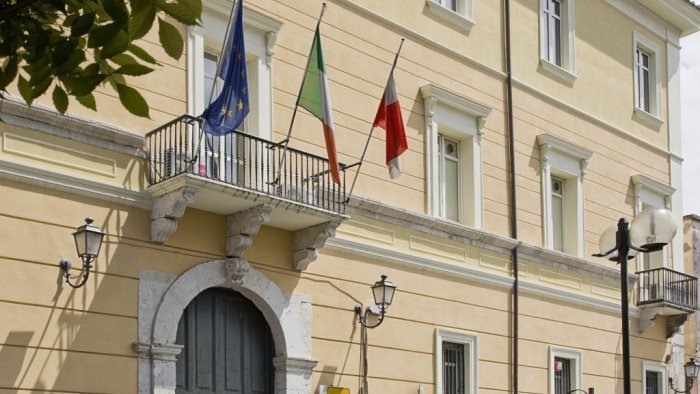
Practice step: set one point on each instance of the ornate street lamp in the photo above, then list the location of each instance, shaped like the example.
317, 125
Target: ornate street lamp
383, 292
692, 370
88, 240
649, 232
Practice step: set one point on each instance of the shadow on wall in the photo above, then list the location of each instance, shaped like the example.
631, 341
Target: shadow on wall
12, 358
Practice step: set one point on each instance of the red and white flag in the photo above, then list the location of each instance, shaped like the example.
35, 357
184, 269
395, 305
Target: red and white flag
389, 118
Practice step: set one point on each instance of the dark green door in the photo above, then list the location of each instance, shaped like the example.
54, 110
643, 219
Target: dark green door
228, 346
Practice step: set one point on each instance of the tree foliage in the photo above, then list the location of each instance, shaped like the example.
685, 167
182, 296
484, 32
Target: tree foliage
77, 45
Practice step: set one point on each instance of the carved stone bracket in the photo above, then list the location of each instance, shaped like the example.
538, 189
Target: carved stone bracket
647, 318
167, 209
235, 269
307, 240
241, 226
674, 323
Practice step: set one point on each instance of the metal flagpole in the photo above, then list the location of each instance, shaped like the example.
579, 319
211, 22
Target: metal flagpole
216, 75
369, 138
296, 105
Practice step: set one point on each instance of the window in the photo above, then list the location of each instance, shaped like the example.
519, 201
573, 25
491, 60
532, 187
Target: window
455, 362
558, 213
564, 370
563, 166
456, 12
647, 84
654, 377
448, 152
453, 155
649, 193
557, 36
203, 46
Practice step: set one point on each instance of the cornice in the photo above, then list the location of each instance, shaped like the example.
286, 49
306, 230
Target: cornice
45, 119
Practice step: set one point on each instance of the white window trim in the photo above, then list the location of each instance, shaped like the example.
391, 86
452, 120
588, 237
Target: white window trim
439, 102
653, 117
261, 35
568, 161
462, 19
567, 71
471, 356
571, 354
654, 367
654, 193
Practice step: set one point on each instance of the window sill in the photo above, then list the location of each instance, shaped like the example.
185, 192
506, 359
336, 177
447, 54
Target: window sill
458, 20
647, 119
557, 72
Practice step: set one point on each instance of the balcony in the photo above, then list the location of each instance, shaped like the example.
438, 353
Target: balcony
662, 291
237, 173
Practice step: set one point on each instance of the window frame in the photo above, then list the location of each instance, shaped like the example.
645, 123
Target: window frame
462, 17
567, 162
566, 71
576, 356
463, 120
470, 341
656, 367
651, 193
652, 117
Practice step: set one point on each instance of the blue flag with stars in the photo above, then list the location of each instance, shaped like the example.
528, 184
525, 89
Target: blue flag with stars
229, 109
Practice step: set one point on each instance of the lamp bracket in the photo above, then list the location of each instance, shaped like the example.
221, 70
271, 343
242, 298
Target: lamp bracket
66, 266
362, 317
687, 390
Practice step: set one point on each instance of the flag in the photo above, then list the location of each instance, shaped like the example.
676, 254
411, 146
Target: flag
315, 98
229, 109
389, 118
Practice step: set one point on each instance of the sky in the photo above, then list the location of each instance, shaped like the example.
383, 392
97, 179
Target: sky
690, 122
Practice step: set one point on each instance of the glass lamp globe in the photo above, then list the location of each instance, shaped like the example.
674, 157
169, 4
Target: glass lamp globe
652, 229
383, 291
608, 241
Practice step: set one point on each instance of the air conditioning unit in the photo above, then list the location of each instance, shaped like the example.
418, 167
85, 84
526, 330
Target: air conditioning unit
176, 162
653, 292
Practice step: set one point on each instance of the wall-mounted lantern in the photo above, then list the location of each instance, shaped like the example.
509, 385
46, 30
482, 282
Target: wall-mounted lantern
88, 240
383, 292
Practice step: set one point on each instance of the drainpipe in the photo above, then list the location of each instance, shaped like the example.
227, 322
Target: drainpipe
512, 194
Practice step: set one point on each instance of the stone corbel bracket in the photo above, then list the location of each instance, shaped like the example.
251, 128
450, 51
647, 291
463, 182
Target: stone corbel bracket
242, 226
307, 240
167, 209
647, 319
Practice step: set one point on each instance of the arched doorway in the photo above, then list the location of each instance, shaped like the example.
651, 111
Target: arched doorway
228, 346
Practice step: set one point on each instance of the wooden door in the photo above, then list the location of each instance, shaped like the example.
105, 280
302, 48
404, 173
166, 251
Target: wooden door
228, 347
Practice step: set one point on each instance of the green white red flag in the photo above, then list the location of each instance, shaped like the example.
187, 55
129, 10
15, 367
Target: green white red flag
315, 98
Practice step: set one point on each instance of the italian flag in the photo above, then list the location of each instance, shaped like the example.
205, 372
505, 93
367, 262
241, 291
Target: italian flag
315, 98
389, 118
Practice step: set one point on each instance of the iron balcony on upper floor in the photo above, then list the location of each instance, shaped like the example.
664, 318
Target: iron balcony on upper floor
665, 292
237, 171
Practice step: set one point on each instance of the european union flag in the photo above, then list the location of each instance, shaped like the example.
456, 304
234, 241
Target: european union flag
229, 109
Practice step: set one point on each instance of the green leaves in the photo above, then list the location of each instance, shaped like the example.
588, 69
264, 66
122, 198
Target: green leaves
132, 100
74, 46
170, 39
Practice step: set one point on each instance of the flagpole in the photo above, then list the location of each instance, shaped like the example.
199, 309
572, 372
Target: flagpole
369, 138
296, 105
216, 75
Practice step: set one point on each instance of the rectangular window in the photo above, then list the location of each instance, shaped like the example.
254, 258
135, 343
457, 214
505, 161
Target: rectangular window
448, 153
455, 362
558, 214
553, 31
642, 79
653, 382
564, 370
449, 4
562, 375
452, 368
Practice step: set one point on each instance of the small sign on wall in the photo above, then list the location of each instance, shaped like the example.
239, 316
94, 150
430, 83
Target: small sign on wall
337, 390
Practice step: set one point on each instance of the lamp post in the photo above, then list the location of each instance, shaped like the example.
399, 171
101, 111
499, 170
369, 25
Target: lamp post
383, 292
649, 232
590, 391
88, 240
692, 370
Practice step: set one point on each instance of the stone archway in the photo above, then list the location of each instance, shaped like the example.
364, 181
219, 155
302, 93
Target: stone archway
163, 298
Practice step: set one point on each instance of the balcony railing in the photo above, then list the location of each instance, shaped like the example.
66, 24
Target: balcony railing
663, 285
244, 161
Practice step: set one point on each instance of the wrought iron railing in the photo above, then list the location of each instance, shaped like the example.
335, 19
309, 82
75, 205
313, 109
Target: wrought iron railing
668, 286
242, 160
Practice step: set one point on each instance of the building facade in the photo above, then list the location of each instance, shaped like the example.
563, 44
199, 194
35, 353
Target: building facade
232, 264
